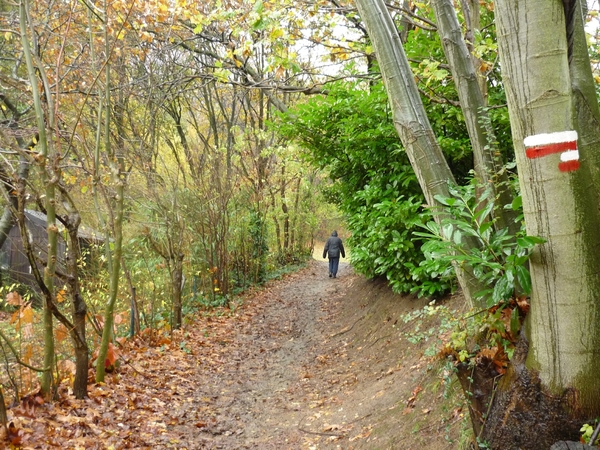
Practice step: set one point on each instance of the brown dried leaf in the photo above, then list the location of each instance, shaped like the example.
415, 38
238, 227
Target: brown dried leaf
13, 298
523, 304
27, 314
61, 332
61, 296
413, 398
111, 356
15, 435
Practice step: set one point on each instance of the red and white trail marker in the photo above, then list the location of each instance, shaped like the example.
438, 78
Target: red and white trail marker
563, 142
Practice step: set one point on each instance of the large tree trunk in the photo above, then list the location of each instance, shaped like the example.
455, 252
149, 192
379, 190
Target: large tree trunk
554, 385
410, 118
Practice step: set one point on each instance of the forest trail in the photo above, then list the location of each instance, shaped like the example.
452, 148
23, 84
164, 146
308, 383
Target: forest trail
307, 362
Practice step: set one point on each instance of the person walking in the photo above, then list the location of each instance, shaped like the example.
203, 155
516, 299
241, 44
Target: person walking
333, 249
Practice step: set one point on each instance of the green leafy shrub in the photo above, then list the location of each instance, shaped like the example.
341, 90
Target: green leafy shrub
381, 239
500, 261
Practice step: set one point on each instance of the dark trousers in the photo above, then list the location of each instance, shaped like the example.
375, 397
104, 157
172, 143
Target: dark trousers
333, 264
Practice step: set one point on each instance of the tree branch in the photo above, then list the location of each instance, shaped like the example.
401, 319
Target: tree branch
16, 355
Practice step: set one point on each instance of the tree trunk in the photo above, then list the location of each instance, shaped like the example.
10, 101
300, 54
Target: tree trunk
472, 16
285, 213
584, 96
47, 162
177, 282
409, 116
116, 269
7, 220
481, 134
554, 385
293, 244
276, 224
406, 26
134, 327
117, 169
79, 307
3, 415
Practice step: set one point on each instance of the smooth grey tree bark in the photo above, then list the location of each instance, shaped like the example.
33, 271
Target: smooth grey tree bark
554, 383
488, 166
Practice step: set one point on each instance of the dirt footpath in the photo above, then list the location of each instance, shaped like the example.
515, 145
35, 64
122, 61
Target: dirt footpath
307, 362
322, 365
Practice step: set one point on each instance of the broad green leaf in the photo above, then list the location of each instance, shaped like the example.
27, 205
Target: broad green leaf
444, 200
510, 275
529, 241
448, 229
524, 279
457, 237
485, 227
502, 290
517, 203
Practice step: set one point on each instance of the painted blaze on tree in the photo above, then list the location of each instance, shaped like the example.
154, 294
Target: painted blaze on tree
563, 142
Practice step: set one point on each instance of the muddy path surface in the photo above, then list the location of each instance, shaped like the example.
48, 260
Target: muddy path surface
305, 362
322, 365
270, 395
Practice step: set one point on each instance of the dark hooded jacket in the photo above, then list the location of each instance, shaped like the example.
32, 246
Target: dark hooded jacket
334, 246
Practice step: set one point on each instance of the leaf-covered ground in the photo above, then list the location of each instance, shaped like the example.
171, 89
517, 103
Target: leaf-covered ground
308, 362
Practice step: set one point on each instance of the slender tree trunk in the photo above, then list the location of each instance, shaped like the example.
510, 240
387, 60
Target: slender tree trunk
488, 166
277, 226
3, 415
294, 224
472, 16
405, 25
117, 169
79, 308
553, 384
410, 118
177, 282
47, 161
7, 220
116, 270
135, 312
286, 214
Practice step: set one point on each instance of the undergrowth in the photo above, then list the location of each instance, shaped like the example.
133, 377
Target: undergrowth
487, 333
